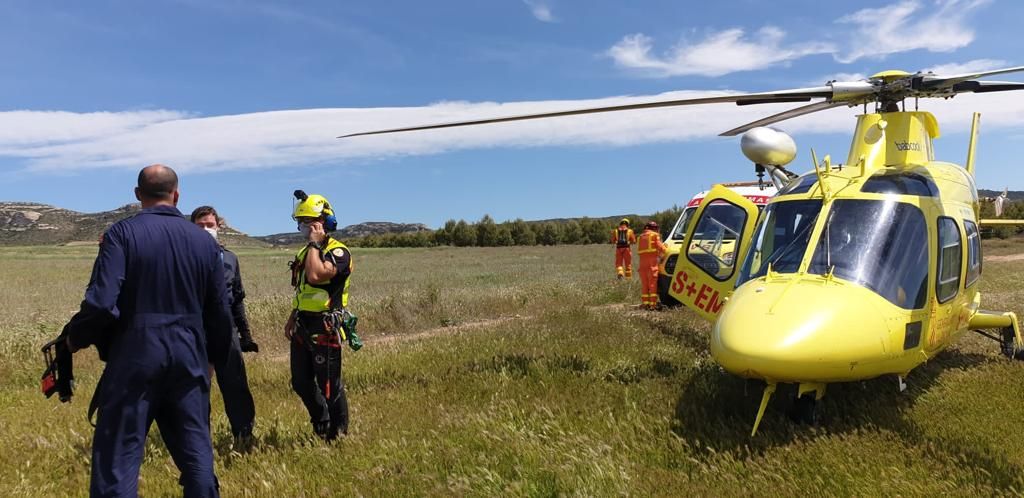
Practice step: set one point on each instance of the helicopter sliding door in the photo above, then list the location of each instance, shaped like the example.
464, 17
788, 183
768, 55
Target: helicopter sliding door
706, 270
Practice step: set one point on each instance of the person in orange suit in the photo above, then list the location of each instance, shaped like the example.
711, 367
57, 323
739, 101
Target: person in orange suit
651, 249
623, 237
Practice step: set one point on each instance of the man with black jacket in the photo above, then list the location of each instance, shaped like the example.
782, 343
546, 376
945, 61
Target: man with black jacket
231, 377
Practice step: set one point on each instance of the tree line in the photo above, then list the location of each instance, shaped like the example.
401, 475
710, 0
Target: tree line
488, 233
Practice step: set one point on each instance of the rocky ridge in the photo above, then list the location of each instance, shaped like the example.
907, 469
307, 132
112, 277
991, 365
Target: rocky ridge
32, 223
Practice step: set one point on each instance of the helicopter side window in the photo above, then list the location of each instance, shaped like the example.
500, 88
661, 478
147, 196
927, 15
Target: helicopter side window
714, 241
781, 238
800, 186
880, 245
901, 183
973, 253
948, 282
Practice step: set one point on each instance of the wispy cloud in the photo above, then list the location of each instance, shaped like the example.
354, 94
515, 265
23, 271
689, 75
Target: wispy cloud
23, 129
64, 141
719, 53
837, 77
540, 10
941, 26
908, 25
972, 66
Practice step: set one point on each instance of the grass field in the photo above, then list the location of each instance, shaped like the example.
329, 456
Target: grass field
526, 371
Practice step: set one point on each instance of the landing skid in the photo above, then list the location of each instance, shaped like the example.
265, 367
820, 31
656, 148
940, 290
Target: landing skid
1008, 343
1011, 344
804, 410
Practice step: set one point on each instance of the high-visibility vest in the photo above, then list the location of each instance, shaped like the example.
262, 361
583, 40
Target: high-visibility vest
649, 242
316, 298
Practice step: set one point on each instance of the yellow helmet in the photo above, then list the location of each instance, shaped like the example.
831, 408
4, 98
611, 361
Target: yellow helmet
314, 206
624, 221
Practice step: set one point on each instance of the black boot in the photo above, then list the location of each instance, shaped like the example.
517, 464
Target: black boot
243, 440
323, 430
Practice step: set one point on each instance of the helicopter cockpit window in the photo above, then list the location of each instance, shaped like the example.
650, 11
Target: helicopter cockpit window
714, 241
679, 231
880, 245
948, 282
973, 253
781, 239
901, 183
801, 186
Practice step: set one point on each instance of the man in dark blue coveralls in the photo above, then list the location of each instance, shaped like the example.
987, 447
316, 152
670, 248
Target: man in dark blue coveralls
157, 311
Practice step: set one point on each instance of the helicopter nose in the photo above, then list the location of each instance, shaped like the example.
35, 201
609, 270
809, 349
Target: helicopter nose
799, 331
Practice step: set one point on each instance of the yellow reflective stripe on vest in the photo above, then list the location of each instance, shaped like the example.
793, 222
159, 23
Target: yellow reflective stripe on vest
647, 244
317, 298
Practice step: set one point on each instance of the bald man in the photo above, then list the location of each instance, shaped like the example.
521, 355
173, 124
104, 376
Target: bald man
157, 310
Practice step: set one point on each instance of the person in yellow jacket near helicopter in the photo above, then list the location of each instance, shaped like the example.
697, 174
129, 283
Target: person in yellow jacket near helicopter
651, 250
623, 237
319, 322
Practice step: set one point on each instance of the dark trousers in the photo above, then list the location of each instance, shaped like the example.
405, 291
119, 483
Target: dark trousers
153, 375
316, 378
234, 388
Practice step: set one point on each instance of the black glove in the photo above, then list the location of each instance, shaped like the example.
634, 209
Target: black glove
249, 346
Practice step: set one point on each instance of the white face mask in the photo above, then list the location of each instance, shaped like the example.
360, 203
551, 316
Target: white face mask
305, 229
211, 231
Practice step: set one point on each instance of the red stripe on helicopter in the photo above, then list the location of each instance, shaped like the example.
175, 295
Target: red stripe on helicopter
760, 200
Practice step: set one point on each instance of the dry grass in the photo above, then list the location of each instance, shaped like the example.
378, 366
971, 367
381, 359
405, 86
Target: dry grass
560, 391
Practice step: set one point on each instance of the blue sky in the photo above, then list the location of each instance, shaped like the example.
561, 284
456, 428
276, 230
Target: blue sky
244, 99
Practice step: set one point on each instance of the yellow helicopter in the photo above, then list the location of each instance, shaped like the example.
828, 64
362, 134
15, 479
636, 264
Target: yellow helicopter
854, 270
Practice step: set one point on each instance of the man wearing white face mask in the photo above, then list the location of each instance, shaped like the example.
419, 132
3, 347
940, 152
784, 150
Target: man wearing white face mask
320, 322
234, 385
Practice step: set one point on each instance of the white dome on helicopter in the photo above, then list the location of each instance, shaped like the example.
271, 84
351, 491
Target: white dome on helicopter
764, 145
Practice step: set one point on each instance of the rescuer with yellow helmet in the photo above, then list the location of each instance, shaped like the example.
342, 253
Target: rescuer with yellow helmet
623, 237
319, 323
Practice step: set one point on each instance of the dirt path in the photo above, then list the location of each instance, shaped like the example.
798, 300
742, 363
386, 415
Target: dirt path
1006, 257
391, 339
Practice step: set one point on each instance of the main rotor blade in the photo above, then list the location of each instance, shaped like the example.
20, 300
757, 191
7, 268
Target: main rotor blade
782, 116
987, 86
933, 81
804, 94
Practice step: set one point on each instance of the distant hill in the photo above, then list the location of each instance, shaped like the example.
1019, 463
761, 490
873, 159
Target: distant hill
29, 223
1013, 195
634, 219
349, 232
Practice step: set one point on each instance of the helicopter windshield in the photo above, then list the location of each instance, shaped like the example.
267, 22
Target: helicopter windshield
781, 239
881, 245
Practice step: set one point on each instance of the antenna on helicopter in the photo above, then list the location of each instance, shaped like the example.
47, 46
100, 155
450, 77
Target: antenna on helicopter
770, 149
